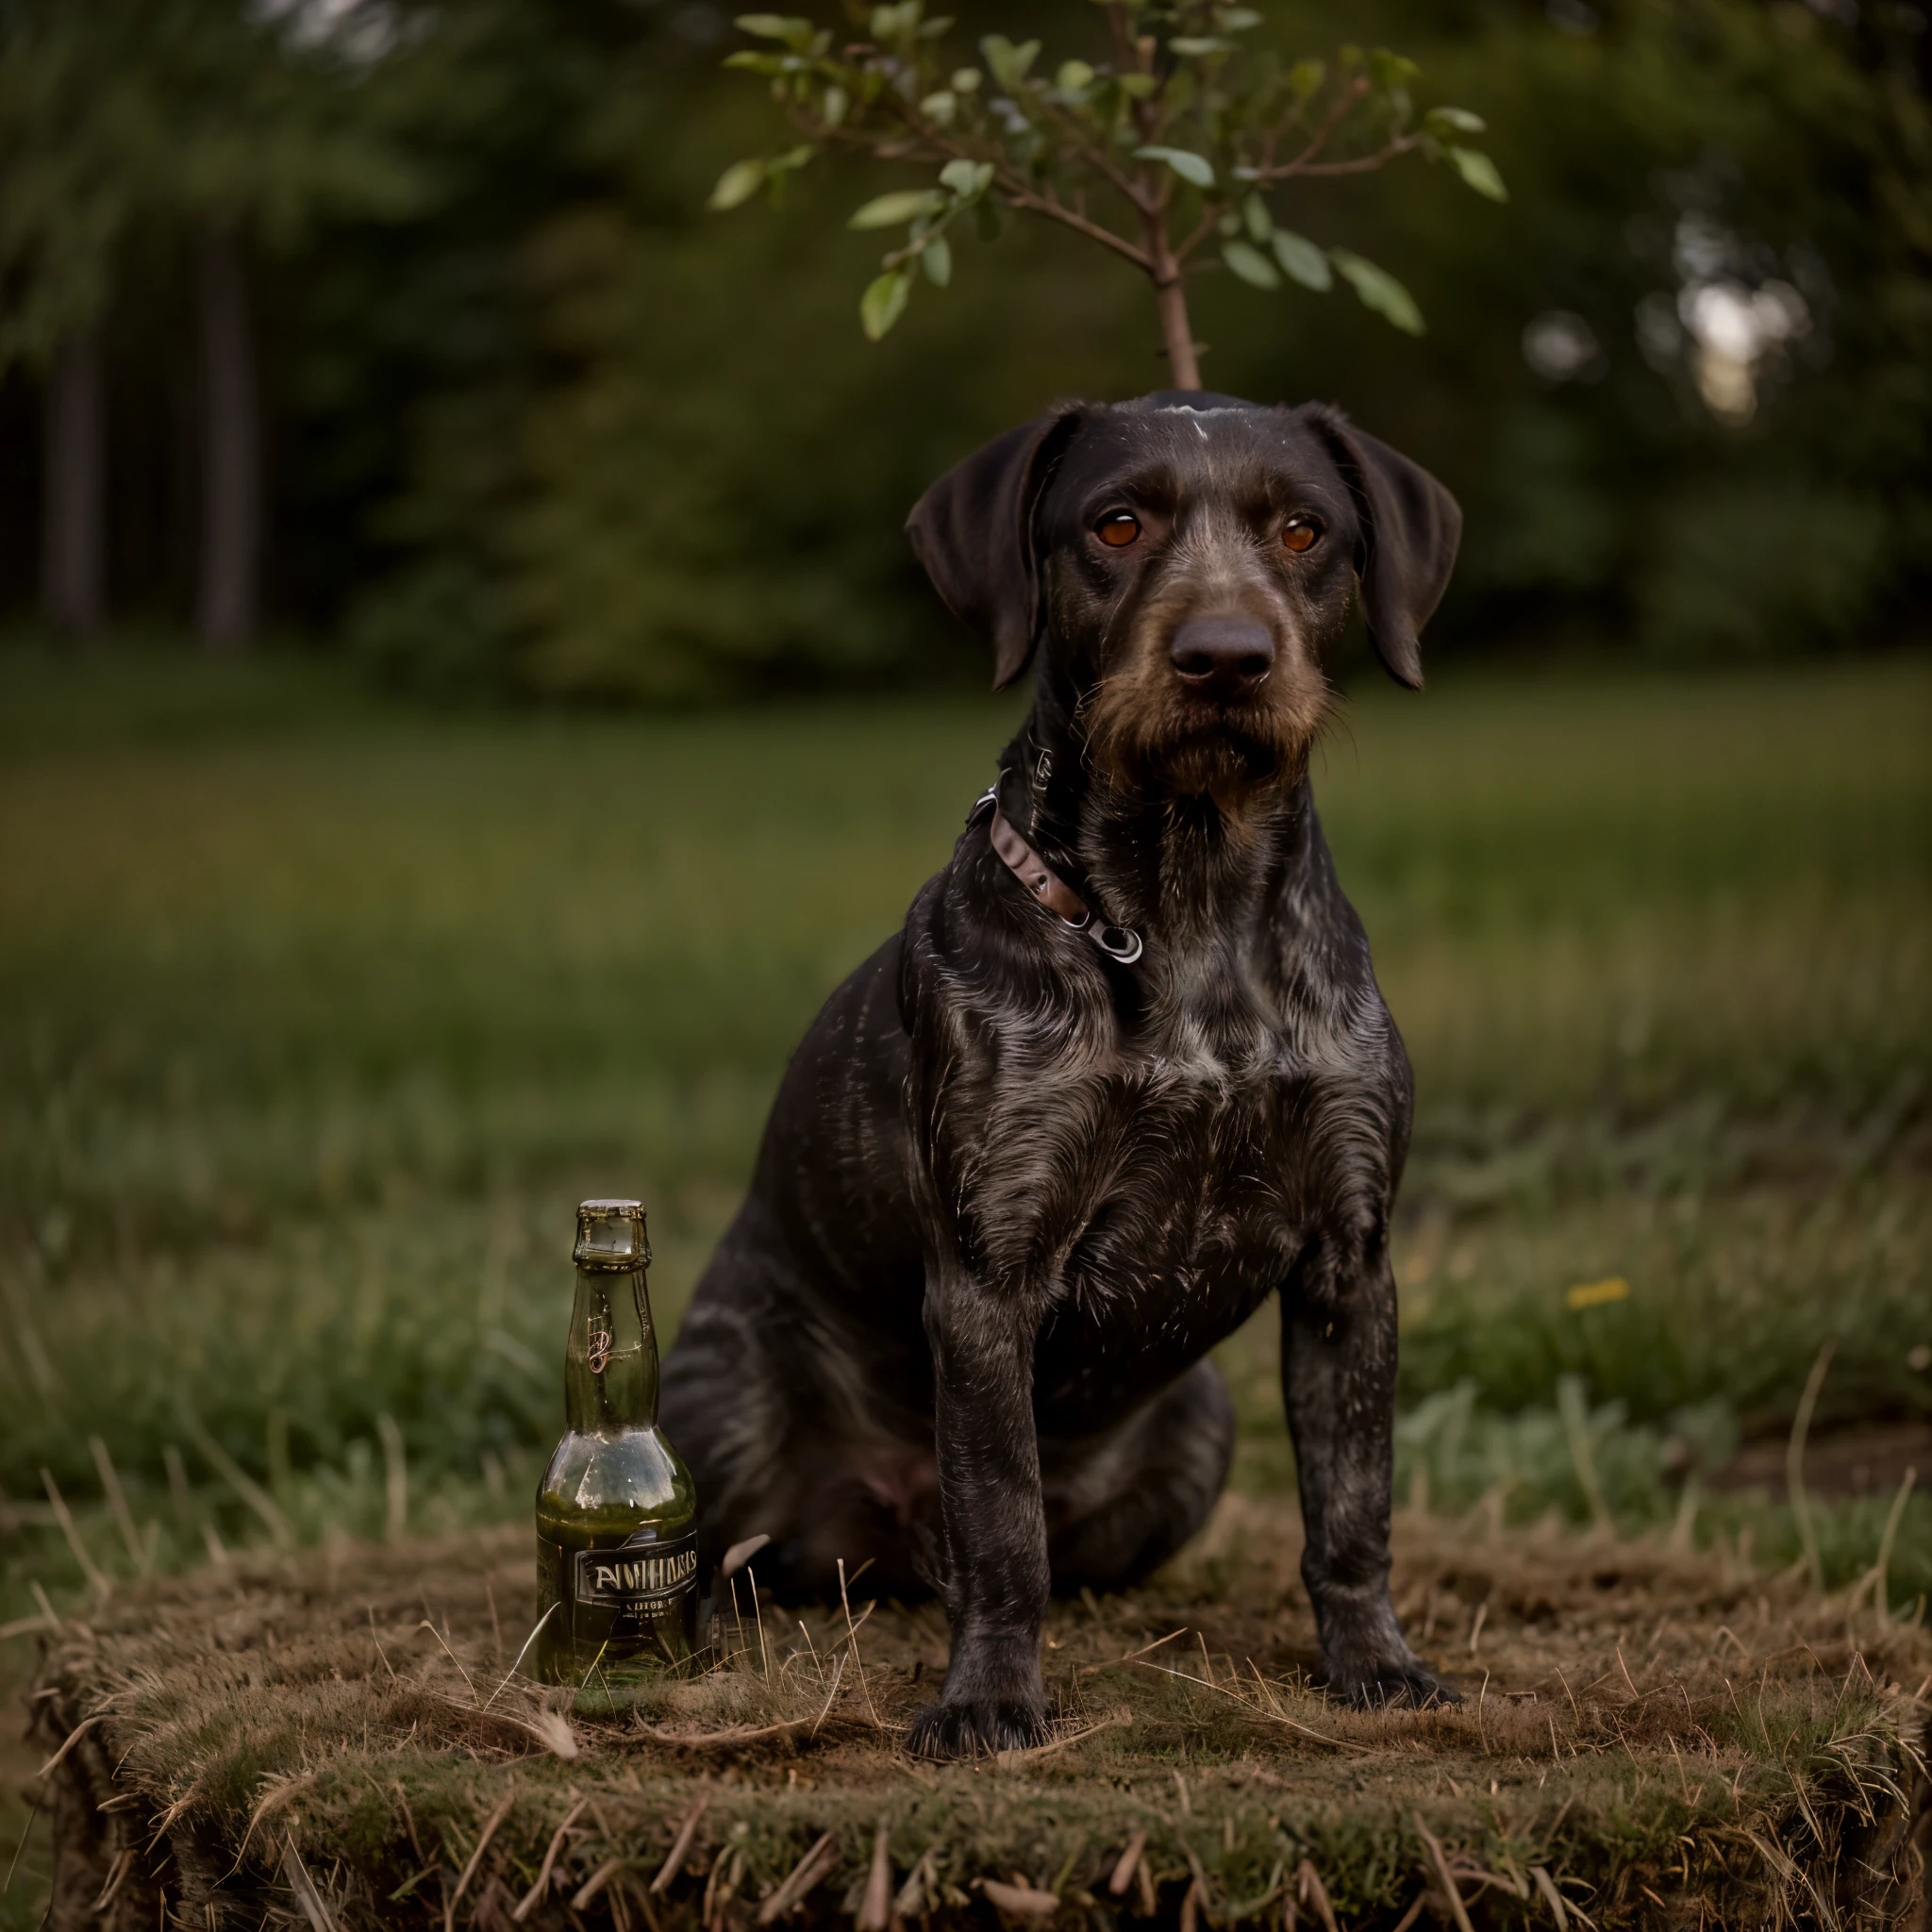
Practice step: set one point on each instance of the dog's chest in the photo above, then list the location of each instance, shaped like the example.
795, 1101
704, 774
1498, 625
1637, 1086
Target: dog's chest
1169, 1171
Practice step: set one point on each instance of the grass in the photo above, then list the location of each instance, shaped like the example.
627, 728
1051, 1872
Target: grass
317, 1016
1643, 1721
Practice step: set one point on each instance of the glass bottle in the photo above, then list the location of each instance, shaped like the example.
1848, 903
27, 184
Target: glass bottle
616, 1512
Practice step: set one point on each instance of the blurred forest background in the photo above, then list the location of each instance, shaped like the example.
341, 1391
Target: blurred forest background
402, 328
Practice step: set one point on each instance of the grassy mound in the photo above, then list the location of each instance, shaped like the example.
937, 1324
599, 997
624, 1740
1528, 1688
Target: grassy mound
1650, 1735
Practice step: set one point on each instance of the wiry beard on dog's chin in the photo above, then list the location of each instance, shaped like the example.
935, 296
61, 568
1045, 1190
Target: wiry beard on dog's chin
1242, 757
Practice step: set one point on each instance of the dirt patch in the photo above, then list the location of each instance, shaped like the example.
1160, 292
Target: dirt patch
1650, 1737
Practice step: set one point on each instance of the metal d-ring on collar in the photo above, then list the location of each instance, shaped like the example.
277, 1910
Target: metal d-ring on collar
1119, 942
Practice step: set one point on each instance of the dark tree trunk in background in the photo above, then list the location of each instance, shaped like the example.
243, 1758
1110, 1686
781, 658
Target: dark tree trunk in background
74, 513
226, 604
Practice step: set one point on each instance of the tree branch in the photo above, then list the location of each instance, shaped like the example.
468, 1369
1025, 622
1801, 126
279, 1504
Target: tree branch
1019, 195
1363, 164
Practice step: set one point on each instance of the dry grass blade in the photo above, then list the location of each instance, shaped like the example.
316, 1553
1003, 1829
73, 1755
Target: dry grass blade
1124, 1869
1032, 1754
313, 1907
68, 1744
805, 1875
1540, 1876
731, 1736
542, 1884
1794, 1465
681, 1847
521, 1654
1254, 1709
1881, 1569
469, 1871
243, 1486
116, 1873
1020, 1900
1314, 1895
588, 1890
96, 1579
278, 1797
426, 1624
395, 1479
876, 1908
138, 1553
1444, 1875
549, 1728
13, 1863
1134, 1657
739, 1554
852, 1637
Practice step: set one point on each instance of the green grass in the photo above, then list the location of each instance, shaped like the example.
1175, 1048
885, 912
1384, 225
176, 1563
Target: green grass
317, 1016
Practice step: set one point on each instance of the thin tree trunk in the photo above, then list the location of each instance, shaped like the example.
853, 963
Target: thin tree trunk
1170, 294
228, 595
74, 511
1179, 334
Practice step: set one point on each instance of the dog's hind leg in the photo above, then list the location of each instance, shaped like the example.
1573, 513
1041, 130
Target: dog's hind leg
1118, 1509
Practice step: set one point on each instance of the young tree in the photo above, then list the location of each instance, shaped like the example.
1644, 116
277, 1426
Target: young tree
1185, 137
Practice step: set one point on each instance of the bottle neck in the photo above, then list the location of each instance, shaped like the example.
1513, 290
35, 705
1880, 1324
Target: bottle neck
610, 1366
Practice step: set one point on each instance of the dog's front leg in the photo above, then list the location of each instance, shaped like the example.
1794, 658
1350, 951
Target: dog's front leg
1337, 1382
996, 1580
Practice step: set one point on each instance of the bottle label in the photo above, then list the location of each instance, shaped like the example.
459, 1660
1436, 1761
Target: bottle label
638, 1579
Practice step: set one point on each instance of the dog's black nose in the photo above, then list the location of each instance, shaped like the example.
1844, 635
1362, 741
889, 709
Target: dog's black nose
1223, 656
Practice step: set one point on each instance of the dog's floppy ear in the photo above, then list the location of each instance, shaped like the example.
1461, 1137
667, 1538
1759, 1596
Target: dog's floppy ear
1410, 528
973, 530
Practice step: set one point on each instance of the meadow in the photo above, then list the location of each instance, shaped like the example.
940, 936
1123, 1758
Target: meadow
317, 1013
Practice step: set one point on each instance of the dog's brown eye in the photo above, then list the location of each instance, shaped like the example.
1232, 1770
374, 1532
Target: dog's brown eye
1301, 533
1118, 528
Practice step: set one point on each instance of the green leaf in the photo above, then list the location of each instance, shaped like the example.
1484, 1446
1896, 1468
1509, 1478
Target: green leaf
1303, 261
903, 205
1379, 291
1453, 121
1009, 63
1187, 165
834, 106
1478, 172
936, 258
1248, 262
1392, 70
968, 179
1305, 78
795, 33
737, 185
1237, 19
939, 106
1191, 48
1074, 77
1137, 86
883, 303
1261, 223
966, 80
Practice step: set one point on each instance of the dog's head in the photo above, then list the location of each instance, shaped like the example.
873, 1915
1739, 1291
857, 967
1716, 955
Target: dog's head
1188, 560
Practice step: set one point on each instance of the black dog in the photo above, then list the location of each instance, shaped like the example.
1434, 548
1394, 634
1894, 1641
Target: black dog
1124, 1074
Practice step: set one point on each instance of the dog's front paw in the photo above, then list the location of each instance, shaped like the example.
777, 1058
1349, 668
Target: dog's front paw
1369, 1684
973, 1727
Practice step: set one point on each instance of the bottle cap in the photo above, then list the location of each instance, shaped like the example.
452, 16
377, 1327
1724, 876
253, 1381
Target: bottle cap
610, 1234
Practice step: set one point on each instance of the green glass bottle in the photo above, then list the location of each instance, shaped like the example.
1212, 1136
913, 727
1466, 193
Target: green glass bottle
617, 1566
